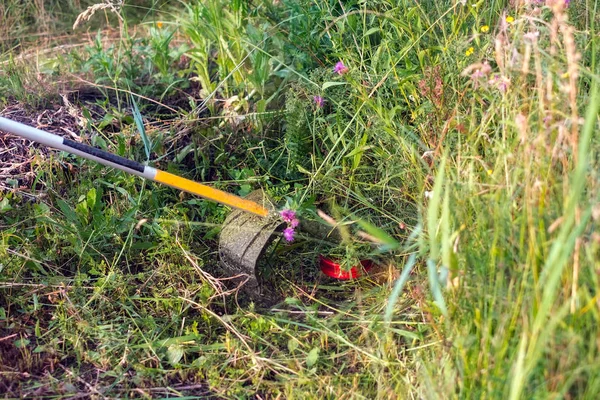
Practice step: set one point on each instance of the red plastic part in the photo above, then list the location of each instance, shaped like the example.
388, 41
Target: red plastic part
334, 270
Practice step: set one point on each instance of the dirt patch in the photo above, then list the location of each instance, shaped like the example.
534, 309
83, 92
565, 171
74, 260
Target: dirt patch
20, 358
28, 372
66, 118
17, 154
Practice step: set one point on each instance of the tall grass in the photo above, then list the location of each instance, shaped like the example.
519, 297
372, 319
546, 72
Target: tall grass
496, 93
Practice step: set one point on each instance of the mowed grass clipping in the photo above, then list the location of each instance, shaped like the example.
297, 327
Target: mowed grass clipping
453, 143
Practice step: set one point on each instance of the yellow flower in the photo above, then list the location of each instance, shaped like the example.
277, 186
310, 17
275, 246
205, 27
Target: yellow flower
485, 29
510, 19
469, 51
489, 172
159, 25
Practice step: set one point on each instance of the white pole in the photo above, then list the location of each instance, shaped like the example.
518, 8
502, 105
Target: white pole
57, 142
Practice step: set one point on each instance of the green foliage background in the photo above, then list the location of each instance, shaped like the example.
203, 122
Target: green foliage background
476, 190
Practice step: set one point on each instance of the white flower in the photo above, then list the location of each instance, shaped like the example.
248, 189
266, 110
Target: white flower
531, 36
427, 154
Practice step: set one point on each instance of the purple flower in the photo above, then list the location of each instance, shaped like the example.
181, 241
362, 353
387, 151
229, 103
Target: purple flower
503, 85
288, 234
340, 68
567, 2
319, 101
501, 82
288, 215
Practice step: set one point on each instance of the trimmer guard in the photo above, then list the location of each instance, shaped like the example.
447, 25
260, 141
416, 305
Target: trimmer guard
245, 237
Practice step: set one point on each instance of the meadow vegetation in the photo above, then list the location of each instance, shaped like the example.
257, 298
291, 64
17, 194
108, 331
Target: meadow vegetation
454, 142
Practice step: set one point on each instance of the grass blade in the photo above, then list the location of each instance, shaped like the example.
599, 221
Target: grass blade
139, 122
398, 286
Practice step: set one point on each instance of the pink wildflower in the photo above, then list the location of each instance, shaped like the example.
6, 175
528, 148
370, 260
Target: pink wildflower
478, 71
319, 101
501, 82
486, 69
503, 85
340, 68
288, 234
477, 74
288, 215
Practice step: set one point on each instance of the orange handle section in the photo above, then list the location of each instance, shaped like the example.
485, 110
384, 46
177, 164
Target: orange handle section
210, 193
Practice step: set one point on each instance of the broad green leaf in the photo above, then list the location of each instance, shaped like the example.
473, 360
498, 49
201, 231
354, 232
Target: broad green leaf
406, 334
4, 205
313, 357
143, 245
358, 150
174, 354
386, 240
67, 211
292, 345
91, 198
371, 31
41, 209
327, 85
20, 343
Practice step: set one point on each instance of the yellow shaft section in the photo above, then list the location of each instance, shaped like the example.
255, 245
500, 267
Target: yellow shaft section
210, 193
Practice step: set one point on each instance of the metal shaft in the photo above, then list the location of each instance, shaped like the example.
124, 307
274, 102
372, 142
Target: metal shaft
129, 166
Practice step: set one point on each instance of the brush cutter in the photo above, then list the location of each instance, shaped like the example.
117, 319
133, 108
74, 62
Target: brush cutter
247, 231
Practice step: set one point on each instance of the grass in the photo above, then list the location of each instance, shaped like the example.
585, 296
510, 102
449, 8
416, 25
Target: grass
458, 150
